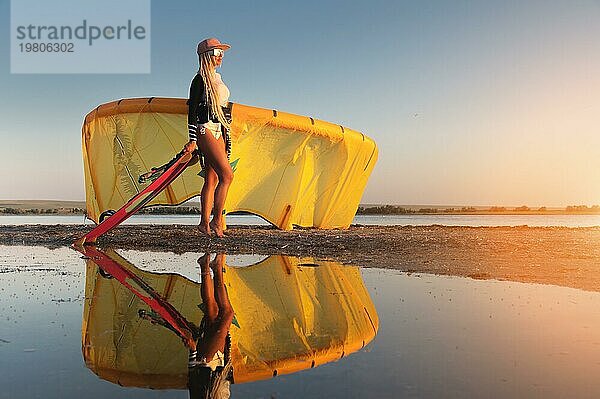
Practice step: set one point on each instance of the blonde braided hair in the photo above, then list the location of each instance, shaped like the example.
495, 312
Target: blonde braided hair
207, 72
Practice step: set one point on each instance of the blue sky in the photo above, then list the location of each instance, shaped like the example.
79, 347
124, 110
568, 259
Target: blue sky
470, 102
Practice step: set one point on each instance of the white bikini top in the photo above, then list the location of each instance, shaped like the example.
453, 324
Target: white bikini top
222, 89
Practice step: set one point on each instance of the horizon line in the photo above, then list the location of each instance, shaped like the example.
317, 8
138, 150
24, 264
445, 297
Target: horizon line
369, 204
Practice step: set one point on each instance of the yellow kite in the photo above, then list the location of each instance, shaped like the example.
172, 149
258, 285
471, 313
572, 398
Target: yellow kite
289, 169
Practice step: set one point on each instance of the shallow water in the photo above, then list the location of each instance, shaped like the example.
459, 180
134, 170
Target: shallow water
437, 336
369, 220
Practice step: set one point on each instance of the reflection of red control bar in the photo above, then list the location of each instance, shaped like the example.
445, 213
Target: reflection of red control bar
134, 204
146, 293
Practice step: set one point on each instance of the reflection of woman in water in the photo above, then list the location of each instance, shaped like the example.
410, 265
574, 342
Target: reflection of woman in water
210, 368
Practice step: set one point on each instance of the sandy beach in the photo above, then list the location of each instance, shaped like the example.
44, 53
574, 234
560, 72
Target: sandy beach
548, 255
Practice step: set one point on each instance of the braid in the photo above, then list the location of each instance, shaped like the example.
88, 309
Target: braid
207, 72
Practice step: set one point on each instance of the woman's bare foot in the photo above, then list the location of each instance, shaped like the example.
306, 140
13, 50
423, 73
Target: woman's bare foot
204, 229
217, 228
218, 264
204, 261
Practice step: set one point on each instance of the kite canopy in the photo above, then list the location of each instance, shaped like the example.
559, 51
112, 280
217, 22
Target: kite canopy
290, 315
289, 169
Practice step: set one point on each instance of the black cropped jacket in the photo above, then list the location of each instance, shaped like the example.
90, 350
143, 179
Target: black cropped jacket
198, 110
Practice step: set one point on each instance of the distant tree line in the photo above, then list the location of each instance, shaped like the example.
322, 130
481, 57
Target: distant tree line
362, 210
37, 211
398, 210
583, 208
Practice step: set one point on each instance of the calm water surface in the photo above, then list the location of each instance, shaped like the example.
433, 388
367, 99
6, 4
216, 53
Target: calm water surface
384, 220
424, 336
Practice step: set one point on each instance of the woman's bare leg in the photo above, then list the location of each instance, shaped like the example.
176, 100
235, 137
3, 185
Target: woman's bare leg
207, 292
207, 197
220, 292
214, 153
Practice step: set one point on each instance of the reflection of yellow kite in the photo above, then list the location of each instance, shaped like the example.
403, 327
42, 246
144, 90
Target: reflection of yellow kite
289, 169
291, 315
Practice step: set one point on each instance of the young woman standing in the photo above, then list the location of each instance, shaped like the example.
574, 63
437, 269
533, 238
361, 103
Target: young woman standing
208, 126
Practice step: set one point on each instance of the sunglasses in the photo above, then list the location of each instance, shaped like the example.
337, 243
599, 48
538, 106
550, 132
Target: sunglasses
216, 52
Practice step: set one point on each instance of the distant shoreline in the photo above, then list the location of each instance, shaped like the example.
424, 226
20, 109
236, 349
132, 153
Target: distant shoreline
47, 208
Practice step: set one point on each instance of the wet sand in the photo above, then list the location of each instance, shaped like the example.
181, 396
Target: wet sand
548, 255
